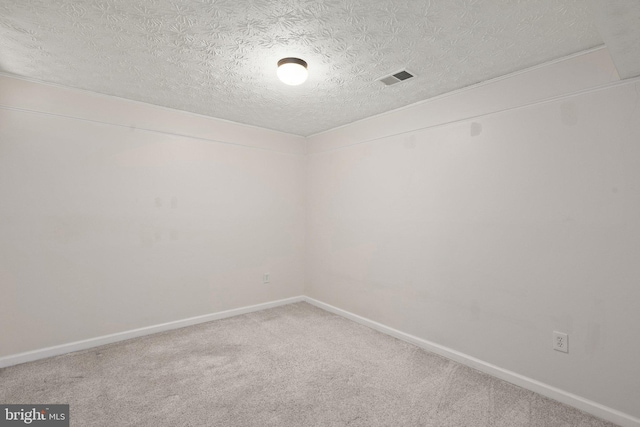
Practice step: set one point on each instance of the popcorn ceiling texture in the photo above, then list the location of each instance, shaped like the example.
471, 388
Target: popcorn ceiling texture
218, 57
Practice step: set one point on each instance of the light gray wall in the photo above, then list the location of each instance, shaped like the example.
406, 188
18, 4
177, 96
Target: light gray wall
106, 228
486, 232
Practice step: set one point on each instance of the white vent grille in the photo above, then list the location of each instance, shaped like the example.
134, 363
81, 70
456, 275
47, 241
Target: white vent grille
396, 78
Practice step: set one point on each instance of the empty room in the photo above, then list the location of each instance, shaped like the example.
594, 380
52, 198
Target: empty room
320, 213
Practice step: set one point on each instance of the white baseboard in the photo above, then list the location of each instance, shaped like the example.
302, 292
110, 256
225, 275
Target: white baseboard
581, 403
57, 350
571, 399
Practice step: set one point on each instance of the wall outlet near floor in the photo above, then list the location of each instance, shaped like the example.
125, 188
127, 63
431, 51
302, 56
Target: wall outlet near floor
265, 278
561, 341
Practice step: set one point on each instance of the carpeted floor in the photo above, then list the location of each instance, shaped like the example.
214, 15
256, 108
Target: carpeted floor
294, 365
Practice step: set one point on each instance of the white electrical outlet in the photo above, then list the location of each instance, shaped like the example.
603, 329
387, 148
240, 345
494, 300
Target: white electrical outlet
265, 278
561, 341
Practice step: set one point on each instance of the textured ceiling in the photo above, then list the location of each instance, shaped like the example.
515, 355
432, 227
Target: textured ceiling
619, 25
218, 57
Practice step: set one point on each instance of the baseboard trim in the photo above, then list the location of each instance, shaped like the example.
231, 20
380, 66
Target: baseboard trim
593, 408
43, 353
596, 409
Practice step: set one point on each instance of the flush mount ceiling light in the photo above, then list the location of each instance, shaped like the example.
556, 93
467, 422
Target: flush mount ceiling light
292, 71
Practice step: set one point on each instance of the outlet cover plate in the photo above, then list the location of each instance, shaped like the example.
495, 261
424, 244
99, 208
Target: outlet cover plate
560, 341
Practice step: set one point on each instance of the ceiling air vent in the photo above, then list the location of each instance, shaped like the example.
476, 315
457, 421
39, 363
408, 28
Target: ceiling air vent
396, 78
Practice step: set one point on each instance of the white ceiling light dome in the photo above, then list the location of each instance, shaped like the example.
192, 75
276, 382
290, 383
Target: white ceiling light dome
292, 71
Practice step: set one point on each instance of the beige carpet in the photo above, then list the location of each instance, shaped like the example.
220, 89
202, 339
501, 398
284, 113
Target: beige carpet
294, 365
